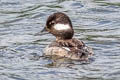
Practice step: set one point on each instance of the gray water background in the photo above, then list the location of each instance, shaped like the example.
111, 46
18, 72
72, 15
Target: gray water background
96, 22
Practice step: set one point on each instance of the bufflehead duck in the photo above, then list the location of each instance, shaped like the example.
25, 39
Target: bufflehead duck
59, 24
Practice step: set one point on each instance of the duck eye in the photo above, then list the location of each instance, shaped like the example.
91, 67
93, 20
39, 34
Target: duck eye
52, 23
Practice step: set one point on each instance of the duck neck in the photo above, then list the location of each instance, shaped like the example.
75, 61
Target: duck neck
62, 39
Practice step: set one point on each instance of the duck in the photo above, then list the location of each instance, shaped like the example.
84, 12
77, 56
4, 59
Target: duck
65, 45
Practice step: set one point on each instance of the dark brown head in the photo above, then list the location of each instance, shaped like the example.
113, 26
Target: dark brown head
60, 26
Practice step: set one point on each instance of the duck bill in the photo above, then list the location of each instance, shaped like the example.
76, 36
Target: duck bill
43, 30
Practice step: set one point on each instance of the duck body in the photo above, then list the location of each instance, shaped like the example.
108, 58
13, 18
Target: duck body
73, 49
65, 45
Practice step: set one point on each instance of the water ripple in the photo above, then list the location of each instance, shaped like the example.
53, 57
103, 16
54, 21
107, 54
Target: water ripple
96, 22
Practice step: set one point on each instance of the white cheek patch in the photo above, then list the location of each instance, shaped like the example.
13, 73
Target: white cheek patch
62, 26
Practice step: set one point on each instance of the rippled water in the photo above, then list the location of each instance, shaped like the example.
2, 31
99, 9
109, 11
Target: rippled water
96, 22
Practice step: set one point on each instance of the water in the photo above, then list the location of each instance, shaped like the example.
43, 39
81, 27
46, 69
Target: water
96, 22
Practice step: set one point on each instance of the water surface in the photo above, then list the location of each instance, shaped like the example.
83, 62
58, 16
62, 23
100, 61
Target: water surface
96, 22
